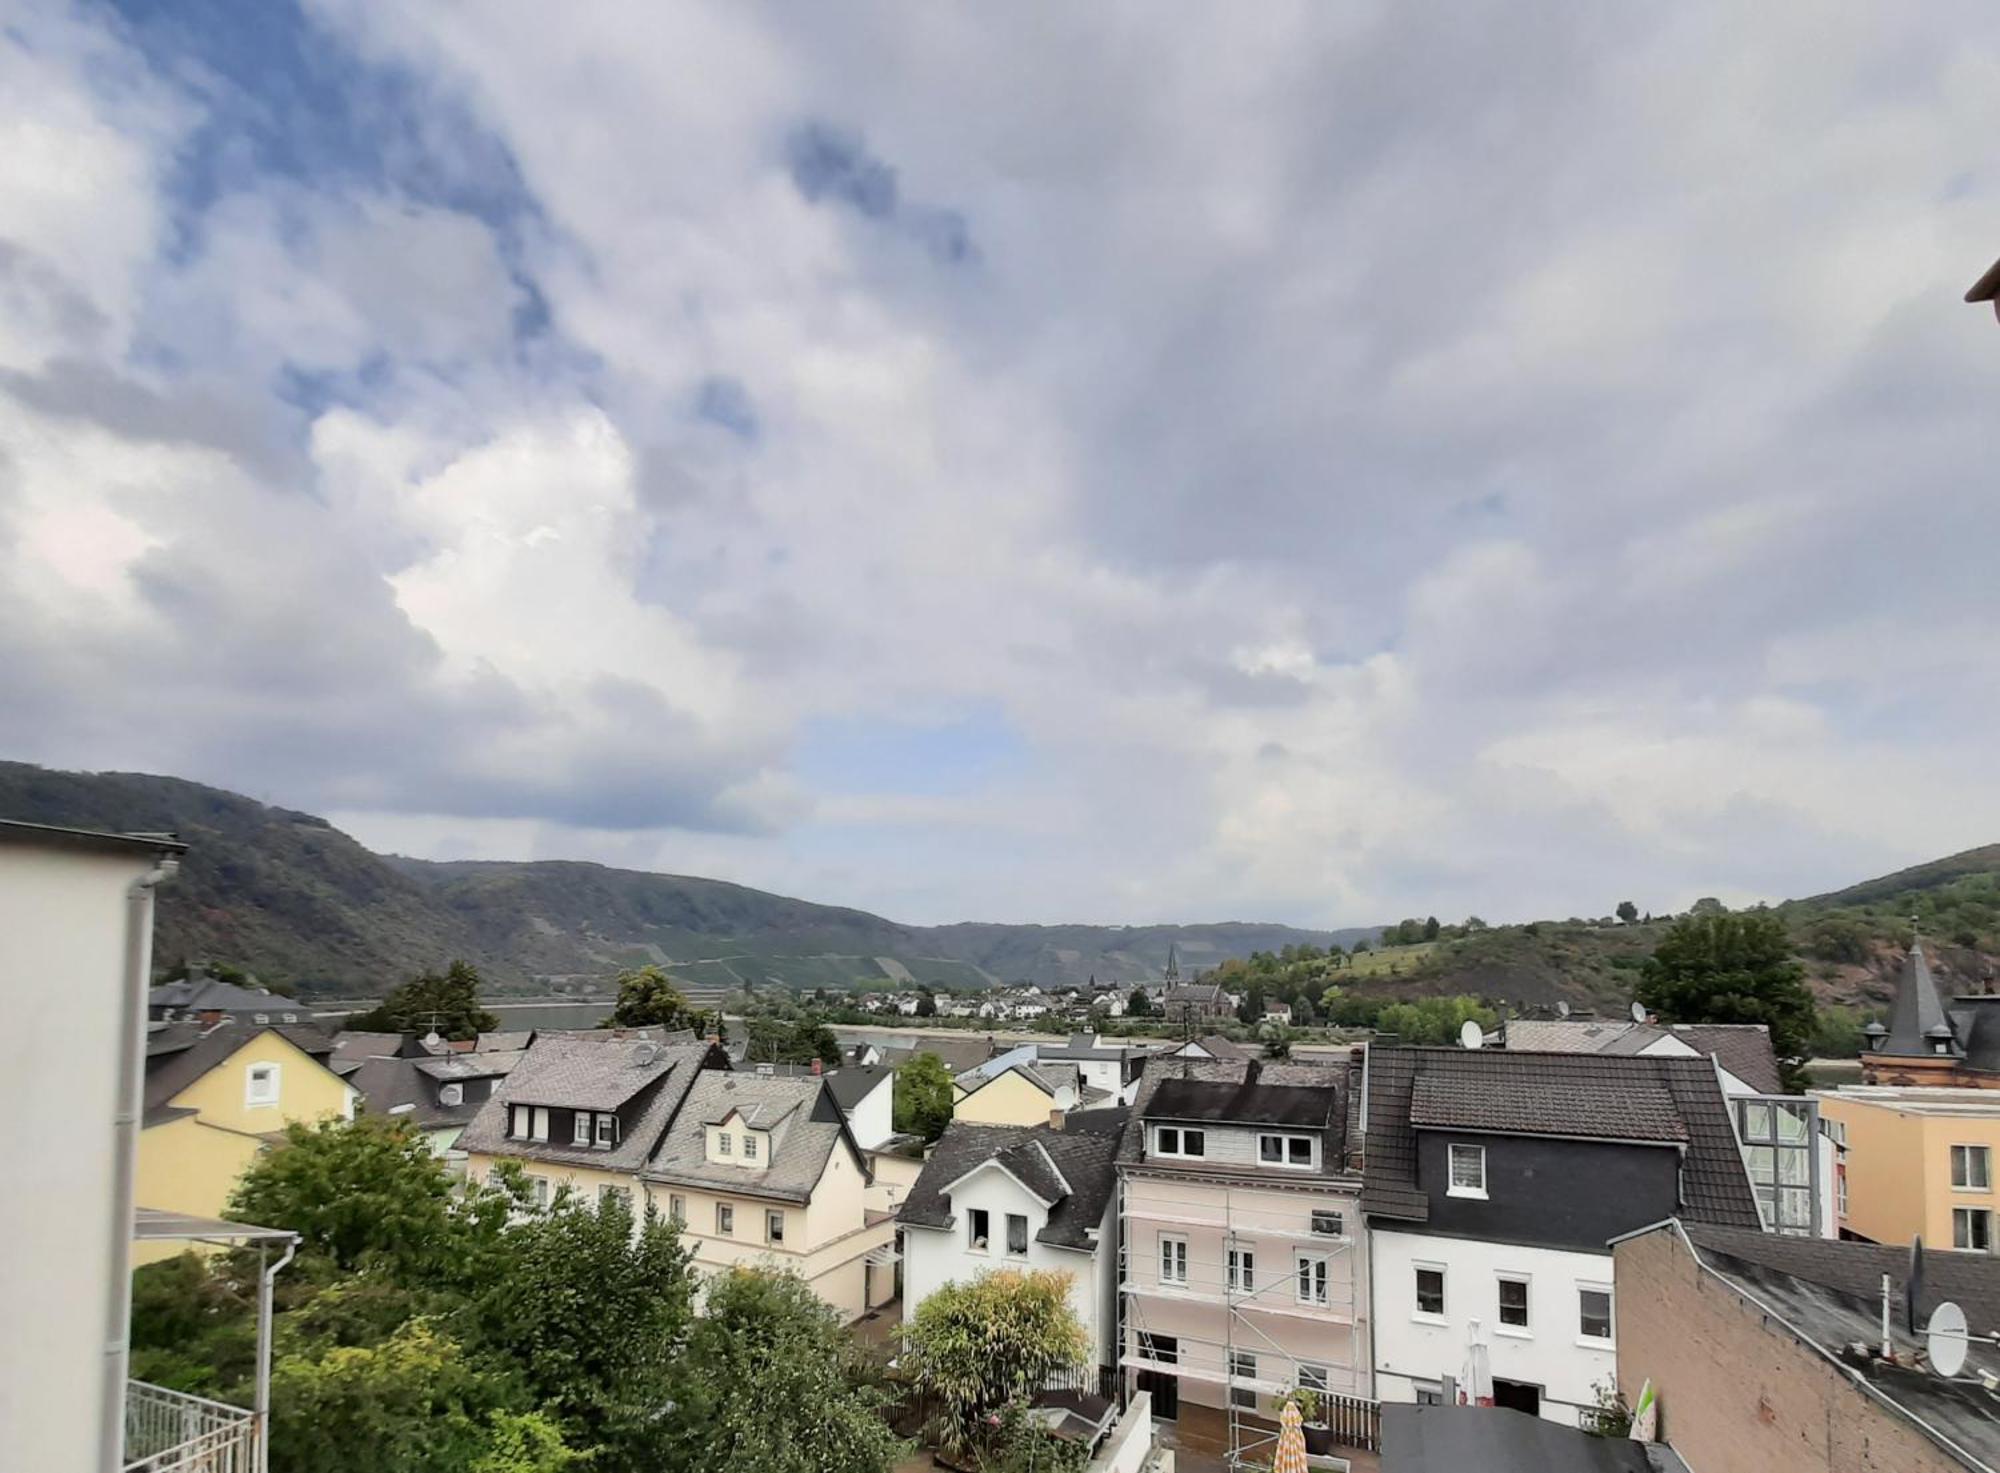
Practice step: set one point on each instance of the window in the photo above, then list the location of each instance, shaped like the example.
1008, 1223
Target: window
725, 1143
1315, 1378
607, 1130
1430, 1393
517, 1122
539, 1185
1778, 1147
979, 1227
677, 1209
620, 1195
1593, 1311
1242, 1271
1972, 1168
1017, 1235
1514, 1302
1173, 1260
260, 1019
1162, 1349
749, 1147
579, 1134
1430, 1292
1468, 1171
451, 1094
1242, 1365
1285, 1150
1840, 1189
260, 1085
1174, 1140
1328, 1224
774, 1226
541, 1130
1312, 1278
1972, 1228
291, 1017
725, 1219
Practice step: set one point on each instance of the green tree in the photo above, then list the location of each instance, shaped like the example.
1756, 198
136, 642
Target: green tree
920, 1097
194, 1327
1431, 928
1276, 1040
1627, 912
926, 1004
449, 1003
1837, 1033
988, 1342
526, 1442
1138, 1005
770, 1382
1733, 968
1434, 1020
647, 998
791, 1041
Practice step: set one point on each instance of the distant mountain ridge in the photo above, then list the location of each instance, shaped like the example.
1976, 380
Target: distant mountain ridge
292, 898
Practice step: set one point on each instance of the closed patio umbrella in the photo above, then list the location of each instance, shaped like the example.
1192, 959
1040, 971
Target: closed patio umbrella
1291, 1455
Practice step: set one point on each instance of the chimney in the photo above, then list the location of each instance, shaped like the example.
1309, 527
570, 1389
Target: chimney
818, 1066
1055, 1120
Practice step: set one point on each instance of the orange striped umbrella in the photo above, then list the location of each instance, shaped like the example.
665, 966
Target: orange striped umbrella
1291, 1456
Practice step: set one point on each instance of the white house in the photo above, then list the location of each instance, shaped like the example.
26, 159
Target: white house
1021, 1197
863, 1092
1113, 1071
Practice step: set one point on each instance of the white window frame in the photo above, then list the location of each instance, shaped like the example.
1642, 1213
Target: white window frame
1339, 1217
774, 1227
1840, 1190
1963, 1155
1438, 1316
1172, 1259
1242, 1366
976, 1240
1428, 1393
725, 1219
1183, 1136
539, 1187
451, 1094
1597, 1342
1315, 1377
1284, 1142
541, 1130
1452, 1186
520, 1122
1968, 1216
749, 1146
260, 1019
1304, 1289
579, 1128
607, 1130
677, 1209
266, 1098
1526, 1329
1241, 1269
1022, 1219
725, 1143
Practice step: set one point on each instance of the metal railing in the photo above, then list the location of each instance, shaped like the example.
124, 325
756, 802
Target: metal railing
172, 1432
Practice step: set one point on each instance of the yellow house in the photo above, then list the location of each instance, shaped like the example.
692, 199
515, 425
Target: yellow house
213, 1100
1022, 1094
1916, 1160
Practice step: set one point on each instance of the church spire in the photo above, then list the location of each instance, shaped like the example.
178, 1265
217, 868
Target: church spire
1173, 962
1918, 1022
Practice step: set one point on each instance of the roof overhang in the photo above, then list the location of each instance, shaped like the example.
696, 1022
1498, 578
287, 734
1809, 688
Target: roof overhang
153, 1225
992, 1164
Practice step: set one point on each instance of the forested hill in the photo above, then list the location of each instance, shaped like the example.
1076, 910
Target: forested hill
291, 898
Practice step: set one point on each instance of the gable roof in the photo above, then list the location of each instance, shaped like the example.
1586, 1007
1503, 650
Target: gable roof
797, 1158
957, 1054
1216, 1046
181, 1053
1048, 1078
854, 1083
1194, 992
1744, 1049
1675, 1101
1247, 1101
1247, 1092
1076, 1169
565, 1072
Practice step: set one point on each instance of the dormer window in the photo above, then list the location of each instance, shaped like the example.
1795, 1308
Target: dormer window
749, 1147
1177, 1140
1298, 1152
1468, 1171
725, 1144
580, 1133
607, 1131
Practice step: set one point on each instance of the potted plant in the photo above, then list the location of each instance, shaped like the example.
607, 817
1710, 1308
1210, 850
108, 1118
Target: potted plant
1319, 1436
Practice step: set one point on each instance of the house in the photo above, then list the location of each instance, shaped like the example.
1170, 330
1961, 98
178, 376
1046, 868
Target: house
762, 1169
76, 936
585, 1114
1197, 1002
206, 998
1245, 1264
1112, 1071
1929, 1043
1916, 1160
864, 1093
1767, 1352
1021, 1196
213, 1098
1019, 1094
1495, 1181
1209, 1046
438, 1094
1792, 1159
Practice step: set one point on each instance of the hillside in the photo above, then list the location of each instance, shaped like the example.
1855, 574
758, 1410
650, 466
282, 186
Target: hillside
291, 898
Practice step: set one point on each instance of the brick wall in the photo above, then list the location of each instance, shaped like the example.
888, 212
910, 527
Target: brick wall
1737, 1392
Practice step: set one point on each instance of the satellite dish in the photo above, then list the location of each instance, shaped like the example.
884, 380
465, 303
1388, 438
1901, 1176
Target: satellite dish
1470, 1034
1945, 1339
645, 1053
1562, 1009
1638, 1012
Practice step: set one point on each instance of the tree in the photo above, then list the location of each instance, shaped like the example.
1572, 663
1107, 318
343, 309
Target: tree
791, 1041
1837, 1034
770, 1383
1276, 1039
985, 1343
1627, 912
1733, 968
1431, 928
1433, 1020
647, 998
1708, 905
1251, 1009
449, 1003
926, 1004
1138, 1005
920, 1098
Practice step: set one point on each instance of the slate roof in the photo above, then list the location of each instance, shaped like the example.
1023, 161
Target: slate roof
564, 1071
957, 1054
1251, 1082
180, 1054
1048, 1078
813, 1128
854, 1083
1580, 1035
1218, 1048
1676, 1101
1917, 1012
350, 1048
1248, 1101
470, 1066
204, 994
1744, 1049
1208, 992
1086, 1159
409, 1088
515, 1039
1969, 1280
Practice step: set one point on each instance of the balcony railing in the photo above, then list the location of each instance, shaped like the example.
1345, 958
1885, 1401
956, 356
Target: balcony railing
172, 1432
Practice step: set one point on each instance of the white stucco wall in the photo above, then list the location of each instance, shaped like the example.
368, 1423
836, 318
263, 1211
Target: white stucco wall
1549, 1353
872, 1120
62, 963
934, 1257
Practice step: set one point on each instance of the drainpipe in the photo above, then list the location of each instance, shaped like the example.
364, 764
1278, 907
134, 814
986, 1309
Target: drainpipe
266, 1277
125, 1161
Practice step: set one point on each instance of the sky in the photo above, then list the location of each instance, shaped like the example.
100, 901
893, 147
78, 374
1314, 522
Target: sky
1311, 463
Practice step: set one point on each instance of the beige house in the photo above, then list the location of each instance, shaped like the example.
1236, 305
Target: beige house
1022, 1094
763, 1169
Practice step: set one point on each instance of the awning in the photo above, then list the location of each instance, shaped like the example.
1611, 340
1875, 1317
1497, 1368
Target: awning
150, 1224
883, 1257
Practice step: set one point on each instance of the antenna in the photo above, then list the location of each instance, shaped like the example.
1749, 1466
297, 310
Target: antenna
1638, 1011
1470, 1034
1945, 1339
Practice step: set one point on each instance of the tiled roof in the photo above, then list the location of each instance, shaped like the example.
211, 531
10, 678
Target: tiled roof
172, 1067
1085, 1159
854, 1083
1194, 992
1551, 1094
1251, 1080
1580, 1035
589, 1074
1969, 1280
1249, 1102
797, 1159
563, 1071
1744, 1049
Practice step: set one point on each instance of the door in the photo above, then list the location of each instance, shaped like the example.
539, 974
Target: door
1165, 1387
1519, 1395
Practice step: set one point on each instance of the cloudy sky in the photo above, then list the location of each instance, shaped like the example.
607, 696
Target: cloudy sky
1032, 462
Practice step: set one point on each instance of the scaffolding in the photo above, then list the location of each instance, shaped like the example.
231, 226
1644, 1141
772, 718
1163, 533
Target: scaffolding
1284, 1277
